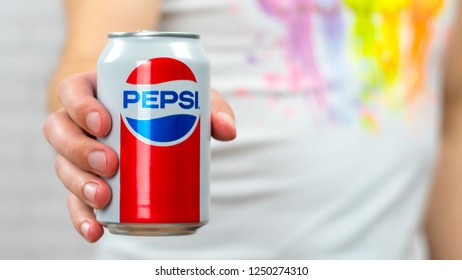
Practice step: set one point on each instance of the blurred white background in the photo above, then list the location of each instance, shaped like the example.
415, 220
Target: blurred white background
34, 222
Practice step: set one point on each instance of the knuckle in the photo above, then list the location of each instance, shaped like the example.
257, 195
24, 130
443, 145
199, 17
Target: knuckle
72, 150
64, 86
58, 165
80, 106
69, 202
47, 125
50, 123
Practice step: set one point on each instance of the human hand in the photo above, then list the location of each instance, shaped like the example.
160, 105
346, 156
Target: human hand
82, 161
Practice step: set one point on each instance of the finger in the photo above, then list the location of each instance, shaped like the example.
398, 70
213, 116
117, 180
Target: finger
86, 186
73, 144
83, 219
77, 95
223, 124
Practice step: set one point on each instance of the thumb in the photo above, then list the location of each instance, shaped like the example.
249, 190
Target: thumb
223, 124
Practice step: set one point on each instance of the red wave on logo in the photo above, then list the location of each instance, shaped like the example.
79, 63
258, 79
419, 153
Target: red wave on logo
160, 70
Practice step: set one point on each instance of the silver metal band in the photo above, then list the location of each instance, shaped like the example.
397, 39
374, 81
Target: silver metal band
152, 33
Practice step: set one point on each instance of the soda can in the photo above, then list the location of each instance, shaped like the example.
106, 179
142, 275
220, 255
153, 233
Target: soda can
156, 87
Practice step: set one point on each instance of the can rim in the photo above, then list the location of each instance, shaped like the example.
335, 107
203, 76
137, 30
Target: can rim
152, 33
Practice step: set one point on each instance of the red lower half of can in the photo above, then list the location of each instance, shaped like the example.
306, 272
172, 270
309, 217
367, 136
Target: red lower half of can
159, 184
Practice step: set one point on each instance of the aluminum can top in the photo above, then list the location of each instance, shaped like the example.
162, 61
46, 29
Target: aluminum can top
152, 33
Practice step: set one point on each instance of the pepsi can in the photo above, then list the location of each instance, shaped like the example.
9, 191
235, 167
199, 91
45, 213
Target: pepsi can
156, 87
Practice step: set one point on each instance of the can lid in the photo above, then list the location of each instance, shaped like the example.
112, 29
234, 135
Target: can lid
152, 33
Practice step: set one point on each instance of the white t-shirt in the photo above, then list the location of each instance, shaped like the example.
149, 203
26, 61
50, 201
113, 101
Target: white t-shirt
337, 106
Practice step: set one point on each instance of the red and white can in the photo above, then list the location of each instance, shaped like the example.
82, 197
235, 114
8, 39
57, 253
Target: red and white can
156, 86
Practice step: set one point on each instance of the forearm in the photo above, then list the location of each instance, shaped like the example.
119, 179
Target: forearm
444, 219
88, 23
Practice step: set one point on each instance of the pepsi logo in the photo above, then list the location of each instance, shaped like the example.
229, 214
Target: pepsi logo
160, 104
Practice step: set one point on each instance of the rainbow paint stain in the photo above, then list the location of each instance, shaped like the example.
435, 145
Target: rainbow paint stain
377, 40
376, 30
392, 70
369, 121
389, 67
423, 15
297, 17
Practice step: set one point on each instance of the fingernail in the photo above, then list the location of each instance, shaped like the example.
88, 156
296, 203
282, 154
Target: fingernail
94, 122
85, 228
97, 161
89, 191
227, 118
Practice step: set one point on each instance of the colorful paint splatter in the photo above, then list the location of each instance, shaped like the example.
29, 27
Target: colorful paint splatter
385, 44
